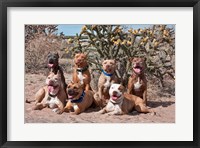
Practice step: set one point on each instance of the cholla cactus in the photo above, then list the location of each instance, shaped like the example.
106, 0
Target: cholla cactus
157, 44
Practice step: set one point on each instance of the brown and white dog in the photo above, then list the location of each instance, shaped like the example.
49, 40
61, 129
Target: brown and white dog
137, 84
52, 95
81, 73
106, 78
79, 99
123, 103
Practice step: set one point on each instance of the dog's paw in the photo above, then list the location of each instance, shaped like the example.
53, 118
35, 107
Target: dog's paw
57, 110
134, 112
153, 113
74, 113
101, 111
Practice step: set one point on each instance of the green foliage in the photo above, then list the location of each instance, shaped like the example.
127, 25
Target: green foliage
156, 44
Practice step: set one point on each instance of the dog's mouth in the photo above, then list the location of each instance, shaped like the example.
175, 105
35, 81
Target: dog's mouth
51, 65
115, 97
108, 70
138, 69
72, 95
52, 88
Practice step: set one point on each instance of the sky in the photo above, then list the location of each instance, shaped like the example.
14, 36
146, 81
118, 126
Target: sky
71, 30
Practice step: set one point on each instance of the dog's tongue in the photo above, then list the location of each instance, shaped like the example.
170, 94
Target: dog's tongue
137, 70
70, 97
50, 88
114, 97
50, 65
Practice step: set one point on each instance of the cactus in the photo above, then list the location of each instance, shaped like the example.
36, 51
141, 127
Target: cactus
156, 44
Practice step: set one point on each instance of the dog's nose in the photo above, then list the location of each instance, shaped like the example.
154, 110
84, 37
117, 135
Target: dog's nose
114, 92
51, 60
51, 82
107, 66
70, 91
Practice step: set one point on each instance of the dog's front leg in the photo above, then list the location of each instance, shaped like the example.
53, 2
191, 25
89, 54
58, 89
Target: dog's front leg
39, 106
60, 108
130, 86
145, 96
76, 110
39, 96
103, 111
87, 87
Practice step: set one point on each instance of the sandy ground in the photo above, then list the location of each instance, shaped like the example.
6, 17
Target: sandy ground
159, 99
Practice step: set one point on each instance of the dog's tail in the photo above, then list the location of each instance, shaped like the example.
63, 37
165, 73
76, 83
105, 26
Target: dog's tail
29, 101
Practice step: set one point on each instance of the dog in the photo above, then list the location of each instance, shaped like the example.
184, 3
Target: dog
81, 73
106, 78
78, 99
137, 83
52, 95
123, 103
53, 65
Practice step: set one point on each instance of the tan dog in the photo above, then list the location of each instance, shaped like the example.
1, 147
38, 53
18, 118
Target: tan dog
123, 103
53, 95
81, 73
106, 78
79, 100
137, 84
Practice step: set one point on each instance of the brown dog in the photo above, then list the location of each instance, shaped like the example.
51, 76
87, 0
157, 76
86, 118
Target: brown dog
81, 73
106, 78
123, 103
79, 100
53, 95
137, 84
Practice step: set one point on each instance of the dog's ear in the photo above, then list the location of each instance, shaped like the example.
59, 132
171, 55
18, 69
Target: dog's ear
122, 88
57, 55
131, 58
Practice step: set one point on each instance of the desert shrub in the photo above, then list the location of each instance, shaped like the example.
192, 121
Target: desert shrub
156, 44
39, 41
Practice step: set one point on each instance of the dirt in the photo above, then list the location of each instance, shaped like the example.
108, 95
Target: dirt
162, 100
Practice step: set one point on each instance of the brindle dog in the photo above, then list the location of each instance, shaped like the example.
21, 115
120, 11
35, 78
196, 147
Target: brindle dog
53, 65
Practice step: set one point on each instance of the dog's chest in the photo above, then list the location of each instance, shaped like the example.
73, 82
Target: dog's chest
81, 77
52, 101
138, 84
107, 83
111, 106
75, 106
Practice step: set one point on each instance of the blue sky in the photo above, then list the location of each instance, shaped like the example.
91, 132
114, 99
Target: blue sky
73, 29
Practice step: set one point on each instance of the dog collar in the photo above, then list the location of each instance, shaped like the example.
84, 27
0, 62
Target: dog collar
80, 99
107, 74
53, 95
82, 69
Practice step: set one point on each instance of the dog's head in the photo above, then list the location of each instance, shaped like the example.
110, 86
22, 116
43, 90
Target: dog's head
80, 59
52, 59
138, 65
116, 91
53, 82
109, 66
74, 90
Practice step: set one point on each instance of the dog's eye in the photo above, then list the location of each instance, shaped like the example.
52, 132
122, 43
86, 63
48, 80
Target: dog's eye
56, 79
75, 87
48, 77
